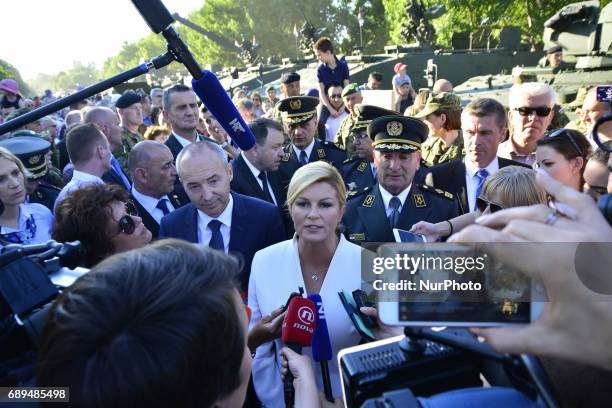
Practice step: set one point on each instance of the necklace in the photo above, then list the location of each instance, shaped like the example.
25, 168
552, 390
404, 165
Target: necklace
317, 275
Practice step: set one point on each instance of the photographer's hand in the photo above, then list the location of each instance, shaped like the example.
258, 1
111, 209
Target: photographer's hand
382, 331
266, 329
576, 322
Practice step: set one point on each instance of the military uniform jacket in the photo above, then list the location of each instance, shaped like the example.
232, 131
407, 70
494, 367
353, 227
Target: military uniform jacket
129, 140
357, 174
45, 194
326, 151
366, 217
433, 152
343, 139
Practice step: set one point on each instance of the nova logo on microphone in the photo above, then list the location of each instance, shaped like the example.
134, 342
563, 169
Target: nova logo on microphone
306, 316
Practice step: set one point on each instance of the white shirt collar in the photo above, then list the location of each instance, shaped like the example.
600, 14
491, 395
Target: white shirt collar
386, 196
250, 166
184, 142
79, 176
308, 150
471, 169
150, 203
225, 217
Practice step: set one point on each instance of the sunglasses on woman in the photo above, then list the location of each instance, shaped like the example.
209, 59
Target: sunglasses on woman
564, 132
482, 204
541, 111
126, 222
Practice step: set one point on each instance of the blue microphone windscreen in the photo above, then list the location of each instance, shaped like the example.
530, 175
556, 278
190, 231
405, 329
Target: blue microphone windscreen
211, 93
321, 344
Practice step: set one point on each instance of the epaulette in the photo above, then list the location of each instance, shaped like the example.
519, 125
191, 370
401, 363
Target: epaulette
442, 193
357, 193
424, 163
49, 186
350, 160
333, 145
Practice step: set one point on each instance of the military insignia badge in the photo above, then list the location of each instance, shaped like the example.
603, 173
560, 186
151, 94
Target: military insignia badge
362, 166
295, 104
357, 237
286, 157
419, 201
321, 153
34, 159
394, 128
369, 200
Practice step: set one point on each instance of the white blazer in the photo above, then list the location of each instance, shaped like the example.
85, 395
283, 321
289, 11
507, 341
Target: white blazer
275, 273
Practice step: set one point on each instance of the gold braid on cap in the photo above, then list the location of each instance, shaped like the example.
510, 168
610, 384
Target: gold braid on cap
396, 142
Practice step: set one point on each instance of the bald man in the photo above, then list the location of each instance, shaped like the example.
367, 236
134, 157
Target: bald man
442, 85
217, 217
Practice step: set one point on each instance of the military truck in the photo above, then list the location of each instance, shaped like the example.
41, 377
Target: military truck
585, 34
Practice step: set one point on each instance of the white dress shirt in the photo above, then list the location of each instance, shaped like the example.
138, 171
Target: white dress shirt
386, 196
275, 273
256, 175
308, 150
332, 125
184, 142
79, 180
471, 180
205, 233
42, 218
150, 204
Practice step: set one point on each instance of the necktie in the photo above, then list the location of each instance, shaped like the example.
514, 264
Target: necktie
264, 179
117, 168
394, 204
216, 241
162, 205
303, 157
482, 175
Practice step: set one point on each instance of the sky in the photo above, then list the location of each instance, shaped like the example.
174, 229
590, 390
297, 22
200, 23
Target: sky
54, 33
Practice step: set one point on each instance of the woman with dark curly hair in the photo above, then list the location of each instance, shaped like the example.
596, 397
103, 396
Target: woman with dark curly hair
101, 217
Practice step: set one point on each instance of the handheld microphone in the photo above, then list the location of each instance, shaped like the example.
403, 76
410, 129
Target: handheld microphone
211, 93
321, 345
297, 332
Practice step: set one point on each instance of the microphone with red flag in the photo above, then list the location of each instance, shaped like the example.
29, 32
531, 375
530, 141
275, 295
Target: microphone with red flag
298, 330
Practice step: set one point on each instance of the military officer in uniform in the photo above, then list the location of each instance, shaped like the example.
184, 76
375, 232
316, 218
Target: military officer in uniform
360, 172
396, 201
351, 95
129, 109
34, 154
299, 114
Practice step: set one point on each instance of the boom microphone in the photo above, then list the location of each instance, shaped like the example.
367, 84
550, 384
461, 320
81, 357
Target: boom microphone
321, 345
211, 93
298, 330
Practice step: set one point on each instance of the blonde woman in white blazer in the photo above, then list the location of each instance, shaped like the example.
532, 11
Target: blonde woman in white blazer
320, 260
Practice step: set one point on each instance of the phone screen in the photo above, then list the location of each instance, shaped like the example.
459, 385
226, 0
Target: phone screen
448, 286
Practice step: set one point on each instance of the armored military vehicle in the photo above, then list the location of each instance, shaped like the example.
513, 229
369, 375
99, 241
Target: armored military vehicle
585, 34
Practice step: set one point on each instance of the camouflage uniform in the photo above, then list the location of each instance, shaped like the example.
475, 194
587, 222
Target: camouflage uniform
433, 151
129, 139
343, 139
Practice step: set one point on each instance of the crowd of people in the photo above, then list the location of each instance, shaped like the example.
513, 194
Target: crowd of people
184, 231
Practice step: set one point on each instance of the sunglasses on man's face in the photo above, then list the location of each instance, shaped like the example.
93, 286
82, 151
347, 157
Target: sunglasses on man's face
482, 204
541, 111
335, 96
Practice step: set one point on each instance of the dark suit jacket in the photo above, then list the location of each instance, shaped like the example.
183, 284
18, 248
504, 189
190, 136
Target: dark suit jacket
148, 220
174, 145
366, 217
450, 176
256, 224
111, 177
244, 183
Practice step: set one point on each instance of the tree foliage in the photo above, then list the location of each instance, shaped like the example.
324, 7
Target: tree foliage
9, 71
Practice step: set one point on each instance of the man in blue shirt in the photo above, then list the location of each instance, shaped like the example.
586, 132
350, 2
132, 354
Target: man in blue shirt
330, 71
